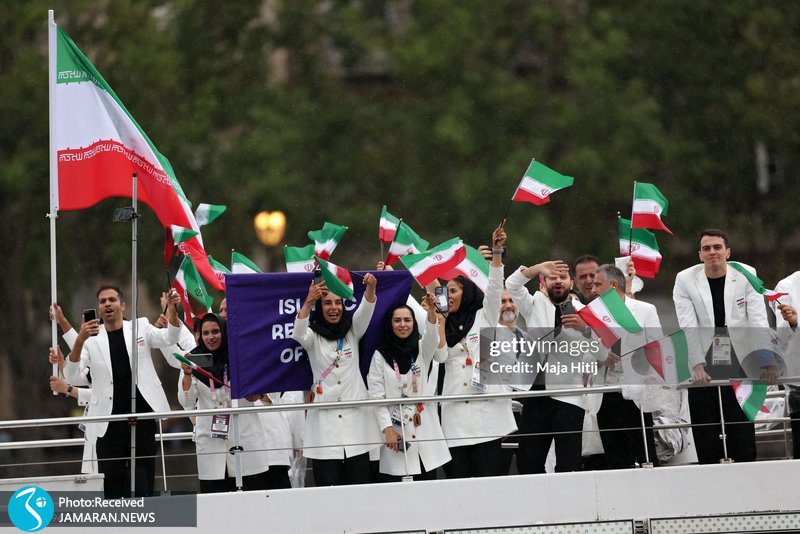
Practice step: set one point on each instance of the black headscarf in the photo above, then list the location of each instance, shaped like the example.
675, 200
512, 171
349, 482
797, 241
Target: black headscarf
395, 349
328, 330
220, 356
460, 322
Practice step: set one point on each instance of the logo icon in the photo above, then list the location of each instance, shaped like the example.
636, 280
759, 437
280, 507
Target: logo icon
438, 257
545, 192
606, 319
30, 509
669, 360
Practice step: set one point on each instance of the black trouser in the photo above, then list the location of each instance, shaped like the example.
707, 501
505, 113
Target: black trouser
621, 432
480, 460
706, 428
795, 434
259, 481
278, 477
113, 459
353, 470
544, 419
424, 475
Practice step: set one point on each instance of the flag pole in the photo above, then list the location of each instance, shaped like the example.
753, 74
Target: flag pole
135, 332
52, 47
630, 229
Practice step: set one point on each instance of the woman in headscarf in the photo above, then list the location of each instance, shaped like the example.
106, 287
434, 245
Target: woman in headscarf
473, 428
214, 435
399, 368
338, 441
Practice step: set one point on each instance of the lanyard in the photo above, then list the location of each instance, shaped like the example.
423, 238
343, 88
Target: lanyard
326, 372
414, 376
225, 389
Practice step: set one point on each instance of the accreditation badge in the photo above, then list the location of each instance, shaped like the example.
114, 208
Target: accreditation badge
220, 426
721, 350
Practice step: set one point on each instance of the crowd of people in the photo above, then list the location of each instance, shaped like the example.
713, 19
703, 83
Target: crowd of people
425, 352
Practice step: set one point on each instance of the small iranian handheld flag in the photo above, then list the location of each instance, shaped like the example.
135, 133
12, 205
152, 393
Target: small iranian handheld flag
299, 259
181, 234
337, 279
326, 239
241, 264
538, 182
474, 267
387, 226
219, 269
428, 266
197, 368
608, 316
669, 356
648, 207
756, 282
641, 245
406, 241
208, 213
188, 283
750, 396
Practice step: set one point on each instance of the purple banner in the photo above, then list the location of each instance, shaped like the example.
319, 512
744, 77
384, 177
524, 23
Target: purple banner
261, 311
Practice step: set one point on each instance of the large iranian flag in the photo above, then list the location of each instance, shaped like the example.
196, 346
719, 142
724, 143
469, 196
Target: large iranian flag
756, 282
641, 245
299, 259
428, 266
649, 204
98, 146
188, 283
326, 239
337, 279
473, 267
609, 317
750, 396
538, 183
669, 356
387, 226
406, 241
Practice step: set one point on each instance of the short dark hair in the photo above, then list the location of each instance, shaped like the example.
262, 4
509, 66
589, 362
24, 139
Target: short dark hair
584, 258
111, 286
714, 232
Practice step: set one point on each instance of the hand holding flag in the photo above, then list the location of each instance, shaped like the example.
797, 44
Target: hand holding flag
199, 369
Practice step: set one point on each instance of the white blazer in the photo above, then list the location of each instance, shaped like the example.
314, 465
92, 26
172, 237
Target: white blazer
97, 356
338, 434
473, 422
278, 434
213, 453
424, 443
745, 316
787, 334
539, 312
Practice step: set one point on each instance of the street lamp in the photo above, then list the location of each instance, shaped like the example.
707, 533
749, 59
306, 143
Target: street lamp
270, 228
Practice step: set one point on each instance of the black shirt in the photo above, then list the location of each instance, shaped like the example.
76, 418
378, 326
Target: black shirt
717, 286
121, 372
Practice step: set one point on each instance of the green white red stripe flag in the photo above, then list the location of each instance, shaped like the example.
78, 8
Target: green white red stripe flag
669, 356
648, 207
756, 282
188, 283
98, 146
299, 259
474, 267
750, 396
208, 213
641, 245
430, 265
406, 241
326, 239
337, 279
538, 183
181, 234
608, 317
219, 269
241, 264
387, 226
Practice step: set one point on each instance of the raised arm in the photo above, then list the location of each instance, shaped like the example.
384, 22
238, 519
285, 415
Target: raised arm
363, 314
301, 333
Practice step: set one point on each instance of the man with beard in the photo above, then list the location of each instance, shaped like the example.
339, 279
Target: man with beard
547, 419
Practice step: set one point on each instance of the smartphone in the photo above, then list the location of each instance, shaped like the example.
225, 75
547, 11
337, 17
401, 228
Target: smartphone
566, 307
440, 292
204, 360
318, 276
89, 314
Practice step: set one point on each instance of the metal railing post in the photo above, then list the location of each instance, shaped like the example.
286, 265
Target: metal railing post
647, 463
725, 459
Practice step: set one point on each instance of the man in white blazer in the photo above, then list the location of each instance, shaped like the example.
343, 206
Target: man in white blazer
545, 420
105, 349
726, 328
619, 418
786, 325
